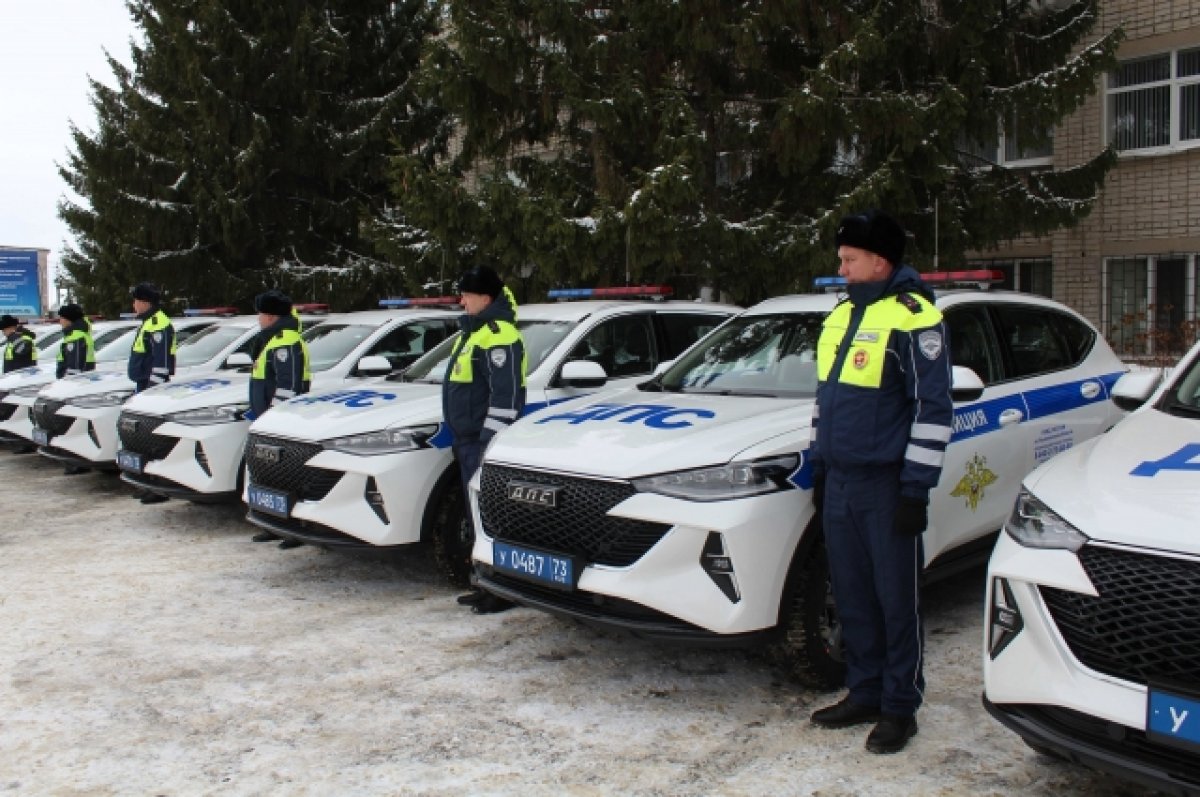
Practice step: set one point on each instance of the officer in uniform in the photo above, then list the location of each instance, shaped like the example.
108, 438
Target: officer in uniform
880, 427
152, 358
281, 367
484, 388
76, 354
20, 351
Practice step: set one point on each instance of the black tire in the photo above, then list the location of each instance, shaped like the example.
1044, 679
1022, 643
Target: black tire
452, 535
809, 646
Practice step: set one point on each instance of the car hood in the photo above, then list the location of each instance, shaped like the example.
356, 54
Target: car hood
1135, 485
630, 433
27, 377
87, 384
190, 393
320, 415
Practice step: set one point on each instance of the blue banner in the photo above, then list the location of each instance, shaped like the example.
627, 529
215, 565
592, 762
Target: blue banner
20, 294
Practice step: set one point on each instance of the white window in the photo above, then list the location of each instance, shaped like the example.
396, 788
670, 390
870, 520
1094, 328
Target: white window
1034, 275
1153, 103
1005, 149
1150, 303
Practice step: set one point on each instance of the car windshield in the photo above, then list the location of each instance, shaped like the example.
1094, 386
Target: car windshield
329, 343
540, 339
1184, 395
760, 355
208, 343
113, 345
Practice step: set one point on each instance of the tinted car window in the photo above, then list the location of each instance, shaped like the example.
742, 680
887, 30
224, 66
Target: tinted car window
407, 342
623, 346
973, 343
1032, 339
683, 329
1078, 336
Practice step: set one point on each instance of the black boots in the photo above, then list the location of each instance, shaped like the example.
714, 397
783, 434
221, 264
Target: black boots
892, 733
844, 714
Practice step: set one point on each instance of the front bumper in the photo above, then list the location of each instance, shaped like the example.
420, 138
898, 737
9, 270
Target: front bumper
203, 464
18, 427
1091, 717
91, 439
667, 592
376, 501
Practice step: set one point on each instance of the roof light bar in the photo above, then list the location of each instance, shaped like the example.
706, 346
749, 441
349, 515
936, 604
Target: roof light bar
421, 301
982, 275
311, 307
619, 292
129, 315
194, 312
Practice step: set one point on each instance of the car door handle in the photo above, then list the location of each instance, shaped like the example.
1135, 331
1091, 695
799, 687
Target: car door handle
1009, 417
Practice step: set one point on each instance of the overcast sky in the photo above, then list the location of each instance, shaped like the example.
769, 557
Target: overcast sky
47, 51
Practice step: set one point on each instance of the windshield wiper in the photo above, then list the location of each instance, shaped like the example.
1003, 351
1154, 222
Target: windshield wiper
1191, 410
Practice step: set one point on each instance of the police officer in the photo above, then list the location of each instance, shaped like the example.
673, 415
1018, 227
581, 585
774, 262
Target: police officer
281, 367
484, 387
880, 428
76, 354
152, 358
21, 351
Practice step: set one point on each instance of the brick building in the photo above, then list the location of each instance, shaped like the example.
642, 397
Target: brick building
1132, 265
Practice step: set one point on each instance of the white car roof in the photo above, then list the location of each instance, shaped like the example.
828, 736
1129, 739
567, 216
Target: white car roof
576, 310
380, 317
824, 302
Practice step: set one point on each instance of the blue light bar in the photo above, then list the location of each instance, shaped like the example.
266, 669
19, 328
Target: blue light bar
571, 293
829, 282
128, 315
421, 301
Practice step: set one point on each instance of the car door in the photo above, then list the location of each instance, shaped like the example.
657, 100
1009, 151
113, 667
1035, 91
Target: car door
986, 458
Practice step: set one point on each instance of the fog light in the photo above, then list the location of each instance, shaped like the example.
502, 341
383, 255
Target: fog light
202, 460
717, 563
1004, 618
374, 499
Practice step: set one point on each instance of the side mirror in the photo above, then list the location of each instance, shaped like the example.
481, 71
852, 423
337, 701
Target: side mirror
966, 385
239, 359
583, 373
1134, 387
661, 368
373, 365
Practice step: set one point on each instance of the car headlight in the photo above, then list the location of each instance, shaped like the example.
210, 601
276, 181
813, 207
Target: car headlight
1035, 525
202, 416
113, 398
384, 441
723, 482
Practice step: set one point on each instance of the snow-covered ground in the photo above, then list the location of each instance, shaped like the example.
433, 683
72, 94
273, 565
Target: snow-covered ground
156, 650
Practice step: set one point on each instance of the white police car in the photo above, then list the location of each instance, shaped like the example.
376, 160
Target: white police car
373, 467
681, 508
1092, 634
19, 389
74, 418
185, 439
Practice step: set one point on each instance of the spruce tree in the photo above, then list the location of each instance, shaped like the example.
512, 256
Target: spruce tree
719, 143
247, 148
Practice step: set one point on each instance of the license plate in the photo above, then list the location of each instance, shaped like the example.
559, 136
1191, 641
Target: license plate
130, 461
272, 502
1173, 719
41, 437
553, 570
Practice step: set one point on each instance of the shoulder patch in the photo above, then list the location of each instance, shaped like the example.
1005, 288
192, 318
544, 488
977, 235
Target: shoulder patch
499, 356
71, 346
930, 343
158, 336
909, 301
281, 354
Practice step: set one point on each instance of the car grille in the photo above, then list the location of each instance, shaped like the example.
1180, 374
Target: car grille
6, 410
45, 417
579, 525
137, 434
289, 474
1144, 625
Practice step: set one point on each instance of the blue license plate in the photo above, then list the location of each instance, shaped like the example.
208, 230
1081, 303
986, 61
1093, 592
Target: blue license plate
553, 570
41, 437
272, 502
130, 461
1173, 719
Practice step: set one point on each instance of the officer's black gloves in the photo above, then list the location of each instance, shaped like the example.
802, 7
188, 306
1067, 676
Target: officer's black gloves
912, 516
818, 494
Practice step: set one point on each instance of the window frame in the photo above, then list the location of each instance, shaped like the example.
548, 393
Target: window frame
1174, 83
1144, 343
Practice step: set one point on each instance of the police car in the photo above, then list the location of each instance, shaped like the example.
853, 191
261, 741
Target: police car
74, 418
372, 466
682, 508
185, 439
19, 389
1095, 589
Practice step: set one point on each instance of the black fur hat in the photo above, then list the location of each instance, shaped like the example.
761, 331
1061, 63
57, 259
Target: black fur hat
273, 302
7, 321
481, 279
874, 231
71, 312
146, 292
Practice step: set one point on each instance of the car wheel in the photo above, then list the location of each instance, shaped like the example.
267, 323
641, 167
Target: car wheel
453, 537
809, 646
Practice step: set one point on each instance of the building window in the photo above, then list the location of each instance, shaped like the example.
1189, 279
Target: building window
1006, 149
1145, 95
1150, 304
1034, 276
